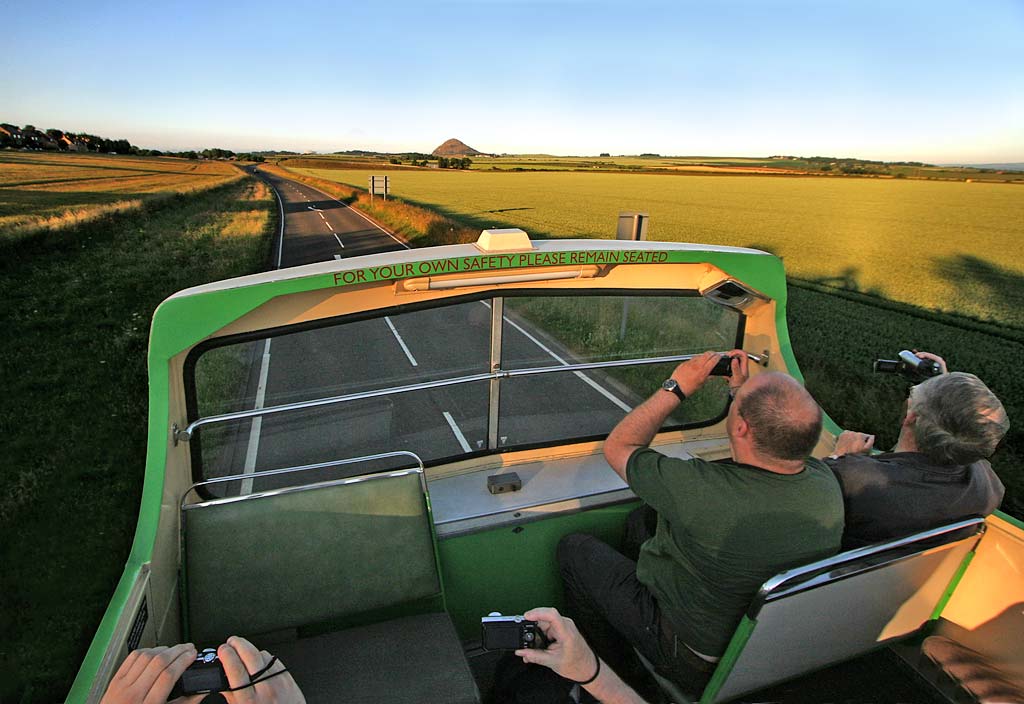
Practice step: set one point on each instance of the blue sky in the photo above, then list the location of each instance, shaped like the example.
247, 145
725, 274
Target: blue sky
921, 80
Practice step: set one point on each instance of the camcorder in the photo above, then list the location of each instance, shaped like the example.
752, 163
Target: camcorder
204, 676
909, 365
510, 633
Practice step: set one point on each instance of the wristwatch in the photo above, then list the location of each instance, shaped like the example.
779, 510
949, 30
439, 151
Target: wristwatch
672, 386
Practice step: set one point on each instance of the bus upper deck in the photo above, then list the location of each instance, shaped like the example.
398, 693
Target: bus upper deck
438, 369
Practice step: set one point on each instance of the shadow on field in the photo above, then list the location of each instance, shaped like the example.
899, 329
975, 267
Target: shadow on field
472, 220
1002, 290
763, 247
504, 210
848, 279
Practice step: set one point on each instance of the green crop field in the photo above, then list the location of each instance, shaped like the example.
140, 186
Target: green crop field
947, 246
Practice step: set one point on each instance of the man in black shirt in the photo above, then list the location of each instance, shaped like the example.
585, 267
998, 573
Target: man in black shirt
937, 473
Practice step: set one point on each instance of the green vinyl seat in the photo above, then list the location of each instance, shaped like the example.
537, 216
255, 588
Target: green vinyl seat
347, 550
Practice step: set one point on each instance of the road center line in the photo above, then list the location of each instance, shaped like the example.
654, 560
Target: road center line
340, 245
586, 379
257, 423
412, 360
458, 433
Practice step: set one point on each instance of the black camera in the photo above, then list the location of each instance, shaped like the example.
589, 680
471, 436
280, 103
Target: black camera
723, 367
909, 365
510, 633
203, 676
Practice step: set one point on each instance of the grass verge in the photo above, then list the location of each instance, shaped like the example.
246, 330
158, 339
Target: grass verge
76, 317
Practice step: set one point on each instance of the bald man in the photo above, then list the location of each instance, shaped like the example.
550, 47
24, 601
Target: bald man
722, 529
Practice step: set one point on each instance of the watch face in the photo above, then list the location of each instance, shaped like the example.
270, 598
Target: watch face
672, 386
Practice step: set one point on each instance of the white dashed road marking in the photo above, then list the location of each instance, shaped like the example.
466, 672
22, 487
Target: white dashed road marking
457, 432
401, 342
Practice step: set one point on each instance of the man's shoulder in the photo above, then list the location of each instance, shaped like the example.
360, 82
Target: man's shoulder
854, 464
650, 462
644, 455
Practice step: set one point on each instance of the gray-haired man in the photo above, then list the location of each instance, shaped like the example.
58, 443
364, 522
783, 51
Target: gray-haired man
938, 471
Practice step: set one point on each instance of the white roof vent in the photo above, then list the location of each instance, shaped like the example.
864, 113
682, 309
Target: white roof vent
504, 240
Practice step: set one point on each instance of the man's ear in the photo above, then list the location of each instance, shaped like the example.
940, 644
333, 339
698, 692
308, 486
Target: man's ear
741, 428
909, 419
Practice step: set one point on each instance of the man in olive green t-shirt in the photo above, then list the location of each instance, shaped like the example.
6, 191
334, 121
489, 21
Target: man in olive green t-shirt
723, 527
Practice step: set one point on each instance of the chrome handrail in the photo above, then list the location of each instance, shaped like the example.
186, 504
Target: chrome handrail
185, 434
306, 467
774, 588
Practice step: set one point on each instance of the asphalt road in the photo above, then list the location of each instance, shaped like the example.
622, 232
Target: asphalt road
318, 227
396, 350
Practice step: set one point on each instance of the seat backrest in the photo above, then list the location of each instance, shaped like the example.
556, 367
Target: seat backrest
307, 554
842, 607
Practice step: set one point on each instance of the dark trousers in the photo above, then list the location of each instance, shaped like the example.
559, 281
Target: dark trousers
616, 613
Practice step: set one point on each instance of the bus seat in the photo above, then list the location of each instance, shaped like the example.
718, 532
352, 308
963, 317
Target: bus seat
839, 608
412, 659
281, 560
984, 680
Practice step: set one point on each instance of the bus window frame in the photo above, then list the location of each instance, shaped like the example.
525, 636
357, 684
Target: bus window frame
193, 356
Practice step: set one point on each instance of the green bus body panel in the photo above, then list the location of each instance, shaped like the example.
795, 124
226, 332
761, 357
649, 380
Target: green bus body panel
181, 322
513, 569
732, 654
1015, 522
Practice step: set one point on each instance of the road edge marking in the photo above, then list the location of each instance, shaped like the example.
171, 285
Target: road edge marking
253, 448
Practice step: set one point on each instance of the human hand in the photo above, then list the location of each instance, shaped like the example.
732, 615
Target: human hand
691, 374
147, 676
933, 357
240, 658
567, 653
853, 443
740, 370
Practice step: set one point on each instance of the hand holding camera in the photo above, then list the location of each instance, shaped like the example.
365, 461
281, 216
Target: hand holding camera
510, 633
244, 674
912, 364
567, 653
691, 374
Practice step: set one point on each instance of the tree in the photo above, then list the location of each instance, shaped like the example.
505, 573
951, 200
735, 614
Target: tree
442, 162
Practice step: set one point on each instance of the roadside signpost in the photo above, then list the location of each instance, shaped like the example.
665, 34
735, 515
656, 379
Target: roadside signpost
632, 226
379, 187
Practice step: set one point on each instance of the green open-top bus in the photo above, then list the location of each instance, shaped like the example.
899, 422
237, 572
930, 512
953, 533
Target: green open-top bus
321, 437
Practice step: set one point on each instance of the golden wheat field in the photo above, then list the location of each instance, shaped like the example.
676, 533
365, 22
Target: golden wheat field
53, 191
943, 245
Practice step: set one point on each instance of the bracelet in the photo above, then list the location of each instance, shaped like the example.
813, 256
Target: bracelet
597, 672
